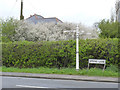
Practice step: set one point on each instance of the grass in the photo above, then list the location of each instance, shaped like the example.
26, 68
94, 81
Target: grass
0, 69
68, 71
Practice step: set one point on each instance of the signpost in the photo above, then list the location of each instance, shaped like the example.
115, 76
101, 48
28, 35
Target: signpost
77, 46
97, 61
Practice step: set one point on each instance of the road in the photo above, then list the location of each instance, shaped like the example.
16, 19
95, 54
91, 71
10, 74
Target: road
22, 82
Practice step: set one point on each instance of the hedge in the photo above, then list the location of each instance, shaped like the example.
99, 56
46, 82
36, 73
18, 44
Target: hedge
24, 54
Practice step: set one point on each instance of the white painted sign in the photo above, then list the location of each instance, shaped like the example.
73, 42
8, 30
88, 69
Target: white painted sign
97, 61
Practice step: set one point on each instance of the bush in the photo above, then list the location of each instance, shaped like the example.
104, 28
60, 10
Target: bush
7, 27
58, 53
51, 31
17, 30
113, 68
108, 29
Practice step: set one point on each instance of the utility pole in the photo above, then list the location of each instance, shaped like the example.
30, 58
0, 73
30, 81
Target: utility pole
21, 12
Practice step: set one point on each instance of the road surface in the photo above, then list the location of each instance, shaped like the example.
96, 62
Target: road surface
22, 82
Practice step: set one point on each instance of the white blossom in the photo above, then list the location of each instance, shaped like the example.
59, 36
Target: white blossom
50, 31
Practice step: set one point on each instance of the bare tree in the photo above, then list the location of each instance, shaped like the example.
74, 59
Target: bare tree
117, 7
113, 15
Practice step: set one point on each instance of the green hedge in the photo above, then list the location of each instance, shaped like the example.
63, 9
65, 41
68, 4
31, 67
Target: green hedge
58, 53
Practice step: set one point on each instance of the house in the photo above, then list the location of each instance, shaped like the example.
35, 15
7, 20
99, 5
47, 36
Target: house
38, 18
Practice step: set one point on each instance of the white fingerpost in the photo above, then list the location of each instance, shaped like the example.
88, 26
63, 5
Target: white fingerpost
77, 48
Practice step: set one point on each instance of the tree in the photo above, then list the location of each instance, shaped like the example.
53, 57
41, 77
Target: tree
16, 30
117, 9
8, 29
113, 15
51, 31
108, 29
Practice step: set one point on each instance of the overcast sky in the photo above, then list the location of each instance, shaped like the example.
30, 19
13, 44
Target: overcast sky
85, 11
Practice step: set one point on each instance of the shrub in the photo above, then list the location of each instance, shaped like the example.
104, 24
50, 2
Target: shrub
108, 29
15, 30
113, 68
50, 31
7, 27
59, 53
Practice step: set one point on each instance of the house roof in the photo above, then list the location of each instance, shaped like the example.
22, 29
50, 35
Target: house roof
38, 18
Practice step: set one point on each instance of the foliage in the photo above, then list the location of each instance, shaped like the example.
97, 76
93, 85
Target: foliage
112, 68
7, 28
50, 31
108, 29
58, 54
15, 30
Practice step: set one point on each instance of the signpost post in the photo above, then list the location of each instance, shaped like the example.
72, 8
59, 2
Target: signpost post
77, 46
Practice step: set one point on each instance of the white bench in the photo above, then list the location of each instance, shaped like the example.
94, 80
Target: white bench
97, 61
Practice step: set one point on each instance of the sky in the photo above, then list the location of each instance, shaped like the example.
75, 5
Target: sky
86, 12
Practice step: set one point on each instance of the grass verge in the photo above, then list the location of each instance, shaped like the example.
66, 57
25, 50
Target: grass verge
67, 71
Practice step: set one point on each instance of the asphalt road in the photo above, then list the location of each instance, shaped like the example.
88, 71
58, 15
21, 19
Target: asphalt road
21, 82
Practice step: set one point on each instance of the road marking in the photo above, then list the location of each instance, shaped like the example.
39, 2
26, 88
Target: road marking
25, 78
35, 79
106, 82
10, 77
30, 86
